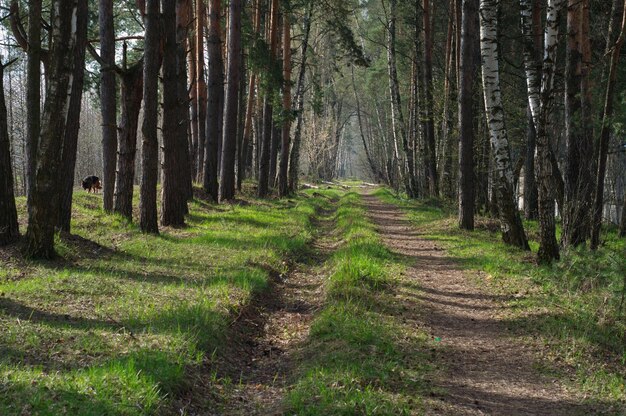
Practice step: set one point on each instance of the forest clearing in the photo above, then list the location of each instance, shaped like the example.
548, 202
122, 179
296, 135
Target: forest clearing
301, 207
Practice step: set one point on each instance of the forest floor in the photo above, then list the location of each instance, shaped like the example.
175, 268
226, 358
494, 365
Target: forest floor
331, 302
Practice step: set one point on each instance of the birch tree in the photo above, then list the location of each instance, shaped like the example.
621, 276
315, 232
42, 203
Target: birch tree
511, 223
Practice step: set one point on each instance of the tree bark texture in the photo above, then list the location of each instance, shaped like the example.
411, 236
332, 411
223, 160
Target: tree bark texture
9, 228
108, 101
468, 110
511, 223
215, 101
148, 218
70, 141
132, 94
283, 183
44, 201
33, 89
231, 104
429, 122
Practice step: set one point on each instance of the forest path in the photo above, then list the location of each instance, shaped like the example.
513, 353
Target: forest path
272, 330
481, 367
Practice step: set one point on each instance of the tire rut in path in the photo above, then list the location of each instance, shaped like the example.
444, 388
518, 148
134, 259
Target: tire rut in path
275, 328
482, 369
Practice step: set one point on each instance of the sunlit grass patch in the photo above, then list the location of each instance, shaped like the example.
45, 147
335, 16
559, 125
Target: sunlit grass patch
360, 358
113, 325
575, 306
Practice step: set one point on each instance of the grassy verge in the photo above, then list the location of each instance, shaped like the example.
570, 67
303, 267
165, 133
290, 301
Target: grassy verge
116, 324
575, 307
361, 357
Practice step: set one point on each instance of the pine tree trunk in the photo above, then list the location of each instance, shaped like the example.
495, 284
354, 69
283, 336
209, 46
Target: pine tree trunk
294, 157
215, 101
622, 224
231, 107
33, 90
577, 172
108, 101
429, 122
173, 194
44, 201
511, 223
283, 185
201, 87
132, 94
184, 11
468, 110
605, 134
548, 247
446, 178
70, 141
9, 228
265, 163
148, 219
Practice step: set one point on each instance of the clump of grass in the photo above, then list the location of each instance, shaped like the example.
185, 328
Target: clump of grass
359, 358
583, 317
115, 324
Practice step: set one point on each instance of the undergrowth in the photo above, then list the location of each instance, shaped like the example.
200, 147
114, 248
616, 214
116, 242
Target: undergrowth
114, 325
360, 358
575, 307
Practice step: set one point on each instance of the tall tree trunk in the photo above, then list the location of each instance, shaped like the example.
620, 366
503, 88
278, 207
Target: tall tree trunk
108, 106
429, 122
283, 185
173, 195
70, 141
132, 94
622, 224
268, 123
446, 178
294, 158
532, 40
184, 12
44, 202
201, 87
548, 247
9, 228
148, 219
233, 80
511, 223
214, 113
468, 110
33, 90
577, 173
397, 118
605, 134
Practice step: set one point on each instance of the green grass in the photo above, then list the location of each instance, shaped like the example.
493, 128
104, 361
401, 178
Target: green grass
574, 307
360, 358
116, 324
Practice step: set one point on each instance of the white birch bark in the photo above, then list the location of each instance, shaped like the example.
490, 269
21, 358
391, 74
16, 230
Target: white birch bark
512, 229
532, 67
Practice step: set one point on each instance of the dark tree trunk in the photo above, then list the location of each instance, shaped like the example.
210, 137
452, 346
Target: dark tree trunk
173, 194
229, 139
622, 224
184, 10
9, 229
214, 113
201, 88
44, 202
70, 141
294, 157
577, 170
429, 122
614, 45
148, 219
33, 90
108, 106
132, 94
265, 175
468, 108
283, 183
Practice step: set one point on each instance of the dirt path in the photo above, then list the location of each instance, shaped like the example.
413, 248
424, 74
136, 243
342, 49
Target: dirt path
482, 369
273, 329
